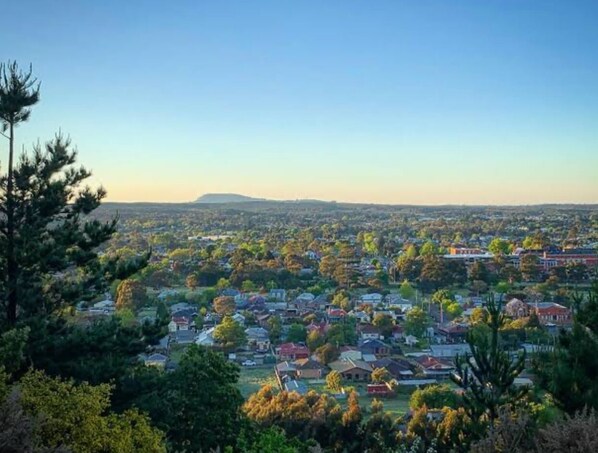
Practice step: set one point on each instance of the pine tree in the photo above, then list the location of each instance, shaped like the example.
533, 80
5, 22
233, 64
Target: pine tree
48, 243
18, 91
569, 371
487, 375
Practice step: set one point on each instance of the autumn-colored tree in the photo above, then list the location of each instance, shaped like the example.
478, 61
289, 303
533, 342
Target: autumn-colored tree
327, 353
478, 315
380, 375
328, 265
131, 294
314, 340
334, 381
385, 323
433, 397
308, 417
76, 416
351, 423
192, 281
224, 305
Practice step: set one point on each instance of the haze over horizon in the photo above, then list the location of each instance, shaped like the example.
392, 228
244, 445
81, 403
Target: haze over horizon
424, 103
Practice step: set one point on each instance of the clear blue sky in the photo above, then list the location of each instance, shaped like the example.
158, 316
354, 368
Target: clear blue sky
383, 101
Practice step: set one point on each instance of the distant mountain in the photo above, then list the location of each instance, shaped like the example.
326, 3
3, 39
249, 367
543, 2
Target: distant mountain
226, 198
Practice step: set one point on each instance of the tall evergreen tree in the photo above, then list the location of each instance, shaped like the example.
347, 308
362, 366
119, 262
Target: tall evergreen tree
487, 375
569, 371
48, 243
18, 91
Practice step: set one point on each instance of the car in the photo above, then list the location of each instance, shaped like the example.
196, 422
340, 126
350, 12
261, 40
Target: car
249, 363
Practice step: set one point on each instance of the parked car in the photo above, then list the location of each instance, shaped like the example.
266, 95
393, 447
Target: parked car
249, 363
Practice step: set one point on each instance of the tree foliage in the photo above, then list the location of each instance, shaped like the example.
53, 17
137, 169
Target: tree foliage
230, 334
74, 416
487, 375
433, 397
569, 371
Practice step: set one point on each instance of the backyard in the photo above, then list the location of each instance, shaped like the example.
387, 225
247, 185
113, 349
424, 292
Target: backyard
252, 379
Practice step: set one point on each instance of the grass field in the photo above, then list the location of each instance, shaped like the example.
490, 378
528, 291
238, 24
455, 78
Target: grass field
252, 379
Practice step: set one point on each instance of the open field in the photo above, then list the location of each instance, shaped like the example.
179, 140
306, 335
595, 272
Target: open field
253, 378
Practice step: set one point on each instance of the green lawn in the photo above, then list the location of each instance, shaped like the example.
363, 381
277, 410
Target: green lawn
176, 352
253, 378
398, 405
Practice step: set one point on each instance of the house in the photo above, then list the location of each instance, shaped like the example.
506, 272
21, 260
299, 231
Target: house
156, 359
335, 315
397, 333
163, 344
398, 369
257, 300
453, 333
369, 358
361, 316
372, 299
368, 332
350, 353
184, 336
516, 309
181, 306
319, 303
309, 369
262, 320
352, 370
239, 318
230, 292
321, 328
433, 367
258, 338
376, 347
307, 297
290, 315
211, 319
279, 295
292, 351
178, 323
450, 350
206, 337
552, 313
189, 313
286, 369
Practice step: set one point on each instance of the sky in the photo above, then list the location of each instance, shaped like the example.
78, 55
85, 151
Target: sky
402, 102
